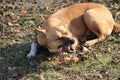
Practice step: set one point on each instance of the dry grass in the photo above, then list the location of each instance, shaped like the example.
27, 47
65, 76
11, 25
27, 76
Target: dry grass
18, 19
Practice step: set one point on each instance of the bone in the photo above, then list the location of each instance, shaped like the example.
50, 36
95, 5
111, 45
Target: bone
62, 58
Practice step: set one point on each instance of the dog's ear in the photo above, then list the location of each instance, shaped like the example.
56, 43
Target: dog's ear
42, 40
40, 31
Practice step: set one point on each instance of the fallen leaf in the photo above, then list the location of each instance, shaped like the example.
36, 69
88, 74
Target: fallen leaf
100, 76
42, 17
41, 77
46, 7
1, 13
24, 13
34, 7
15, 19
118, 52
10, 24
50, 58
118, 9
116, 15
16, 31
108, 49
7, 6
74, 59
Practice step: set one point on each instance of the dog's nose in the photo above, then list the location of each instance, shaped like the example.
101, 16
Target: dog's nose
71, 41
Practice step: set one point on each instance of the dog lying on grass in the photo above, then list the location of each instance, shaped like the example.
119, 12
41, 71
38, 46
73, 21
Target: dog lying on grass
63, 29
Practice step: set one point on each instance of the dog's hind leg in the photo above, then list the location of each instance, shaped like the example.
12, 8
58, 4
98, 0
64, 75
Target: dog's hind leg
92, 42
101, 24
33, 50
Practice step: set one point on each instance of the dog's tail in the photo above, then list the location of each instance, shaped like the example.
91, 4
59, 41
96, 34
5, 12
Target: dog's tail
116, 27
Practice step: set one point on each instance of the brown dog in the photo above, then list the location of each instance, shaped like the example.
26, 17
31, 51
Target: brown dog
61, 32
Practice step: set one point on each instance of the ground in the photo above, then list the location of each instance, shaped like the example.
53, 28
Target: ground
17, 23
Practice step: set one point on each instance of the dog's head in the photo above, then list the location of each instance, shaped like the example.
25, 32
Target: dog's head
57, 39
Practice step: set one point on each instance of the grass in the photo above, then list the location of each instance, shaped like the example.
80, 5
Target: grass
17, 33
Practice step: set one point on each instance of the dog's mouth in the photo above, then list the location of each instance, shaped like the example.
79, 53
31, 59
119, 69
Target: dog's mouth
67, 48
64, 49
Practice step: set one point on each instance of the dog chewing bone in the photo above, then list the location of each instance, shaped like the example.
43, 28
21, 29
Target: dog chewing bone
63, 29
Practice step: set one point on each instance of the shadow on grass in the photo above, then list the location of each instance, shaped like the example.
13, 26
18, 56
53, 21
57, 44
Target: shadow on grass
13, 62
14, 65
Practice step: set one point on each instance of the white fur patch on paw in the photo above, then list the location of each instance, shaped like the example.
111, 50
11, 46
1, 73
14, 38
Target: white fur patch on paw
29, 55
33, 50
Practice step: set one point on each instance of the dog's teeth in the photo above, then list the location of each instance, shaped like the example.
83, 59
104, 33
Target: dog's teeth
63, 52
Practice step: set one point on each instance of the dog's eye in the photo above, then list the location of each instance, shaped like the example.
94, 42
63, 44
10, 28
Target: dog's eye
59, 38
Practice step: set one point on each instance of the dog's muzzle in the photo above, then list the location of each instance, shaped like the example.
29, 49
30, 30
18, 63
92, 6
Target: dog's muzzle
67, 47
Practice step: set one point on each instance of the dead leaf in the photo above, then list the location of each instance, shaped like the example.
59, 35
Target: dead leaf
16, 31
41, 77
24, 13
116, 15
118, 9
50, 58
42, 17
34, 7
7, 6
118, 52
1, 13
15, 19
10, 24
100, 76
46, 7
108, 49
74, 59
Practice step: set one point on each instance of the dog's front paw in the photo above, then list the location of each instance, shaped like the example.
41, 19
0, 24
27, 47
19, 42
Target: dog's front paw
33, 50
90, 43
30, 55
87, 44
